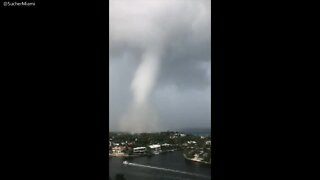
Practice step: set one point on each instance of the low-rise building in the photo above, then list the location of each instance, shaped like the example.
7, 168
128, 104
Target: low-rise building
155, 148
192, 142
165, 144
118, 149
139, 150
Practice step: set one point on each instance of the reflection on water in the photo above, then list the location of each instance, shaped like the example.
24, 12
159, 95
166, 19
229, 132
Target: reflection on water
173, 161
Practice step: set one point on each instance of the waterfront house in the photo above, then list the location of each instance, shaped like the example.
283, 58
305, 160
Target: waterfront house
165, 144
155, 148
118, 149
192, 142
139, 150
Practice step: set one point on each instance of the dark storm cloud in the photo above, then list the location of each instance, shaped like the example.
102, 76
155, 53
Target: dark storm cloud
179, 31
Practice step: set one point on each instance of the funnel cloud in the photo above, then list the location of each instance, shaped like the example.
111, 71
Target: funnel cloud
145, 77
160, 58
141, 117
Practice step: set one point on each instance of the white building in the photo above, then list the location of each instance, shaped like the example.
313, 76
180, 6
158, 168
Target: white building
155, 148
165, 144
139, 149
118, 149
192, 142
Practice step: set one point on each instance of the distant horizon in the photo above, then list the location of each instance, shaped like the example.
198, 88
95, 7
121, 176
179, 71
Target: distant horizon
205, 129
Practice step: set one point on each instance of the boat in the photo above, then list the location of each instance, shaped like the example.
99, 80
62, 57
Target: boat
156, 152
125, 162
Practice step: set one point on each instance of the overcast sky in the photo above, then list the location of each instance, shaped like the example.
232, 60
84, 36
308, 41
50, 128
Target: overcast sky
178, 34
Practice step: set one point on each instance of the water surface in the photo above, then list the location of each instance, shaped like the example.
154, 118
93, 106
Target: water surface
154, 167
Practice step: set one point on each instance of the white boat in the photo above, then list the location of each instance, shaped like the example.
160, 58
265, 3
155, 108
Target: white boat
125, 162
156, 152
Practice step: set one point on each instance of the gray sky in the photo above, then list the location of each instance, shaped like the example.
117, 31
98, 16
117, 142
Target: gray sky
177, 34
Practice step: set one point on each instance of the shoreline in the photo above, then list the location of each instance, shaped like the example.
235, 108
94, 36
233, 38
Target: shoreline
123, 155
140, 155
